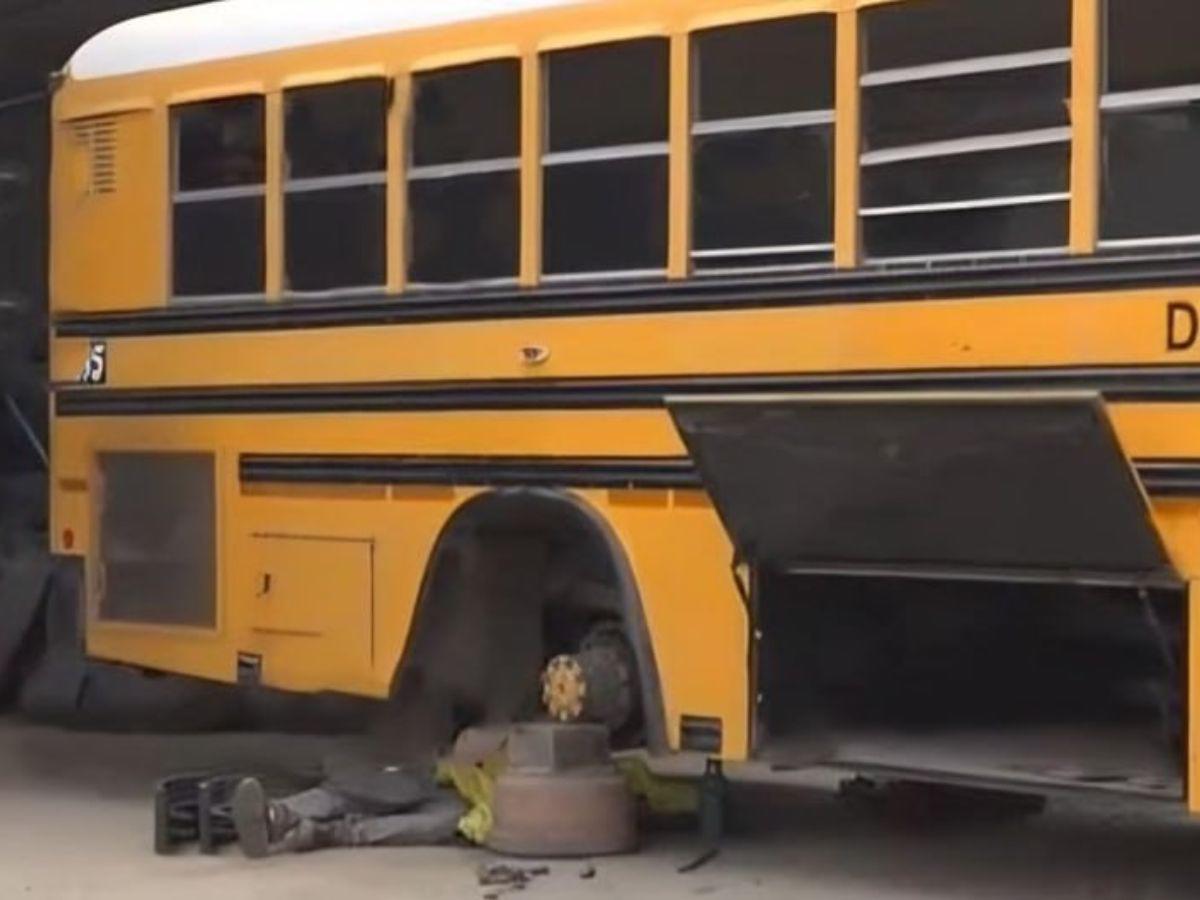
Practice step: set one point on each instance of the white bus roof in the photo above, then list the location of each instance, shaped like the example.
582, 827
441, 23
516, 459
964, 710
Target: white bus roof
232, 28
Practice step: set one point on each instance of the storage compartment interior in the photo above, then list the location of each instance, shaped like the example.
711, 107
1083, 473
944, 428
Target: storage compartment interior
1003, 682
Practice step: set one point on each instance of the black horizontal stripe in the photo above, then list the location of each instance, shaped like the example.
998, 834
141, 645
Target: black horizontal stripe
1116, 383
1170, 477
875, 284
498, 471
1162, 478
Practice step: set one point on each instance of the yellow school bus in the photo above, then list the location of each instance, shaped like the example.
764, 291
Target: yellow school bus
831, 364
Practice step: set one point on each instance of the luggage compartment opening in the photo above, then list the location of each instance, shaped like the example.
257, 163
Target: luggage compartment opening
1055, 684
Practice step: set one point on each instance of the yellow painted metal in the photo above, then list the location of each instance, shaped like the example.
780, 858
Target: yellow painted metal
275, 275
528, 33
1193, 691
680, 217
677, 552
310, 607
531, 171
1085, 122
397, 187
1119, 328
847, 142
111, 252
535, 434
139, 271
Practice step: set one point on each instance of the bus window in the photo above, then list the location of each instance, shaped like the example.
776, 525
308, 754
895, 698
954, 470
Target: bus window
335, 185
218, 198
464, 178
1151, 125
762, 137
966, 131
606, 159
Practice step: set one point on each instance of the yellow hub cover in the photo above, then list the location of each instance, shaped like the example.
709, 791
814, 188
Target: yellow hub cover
564, 689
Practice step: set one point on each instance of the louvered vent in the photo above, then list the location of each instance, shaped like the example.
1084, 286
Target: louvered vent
98, 137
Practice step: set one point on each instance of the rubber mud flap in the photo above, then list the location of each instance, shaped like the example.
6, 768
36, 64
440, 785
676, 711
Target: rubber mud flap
51, 692
24, 583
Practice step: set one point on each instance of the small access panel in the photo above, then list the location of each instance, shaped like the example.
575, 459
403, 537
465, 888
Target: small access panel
312, 610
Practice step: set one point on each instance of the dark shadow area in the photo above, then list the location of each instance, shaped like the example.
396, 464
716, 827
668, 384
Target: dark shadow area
517, 578
1006, 681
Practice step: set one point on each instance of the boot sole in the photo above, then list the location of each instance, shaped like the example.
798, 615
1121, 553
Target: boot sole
250, 819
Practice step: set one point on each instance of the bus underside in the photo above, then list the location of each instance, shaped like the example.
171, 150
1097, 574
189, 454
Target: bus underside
953, 587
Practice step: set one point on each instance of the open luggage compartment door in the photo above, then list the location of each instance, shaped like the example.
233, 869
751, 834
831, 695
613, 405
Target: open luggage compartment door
925, 484
962, 586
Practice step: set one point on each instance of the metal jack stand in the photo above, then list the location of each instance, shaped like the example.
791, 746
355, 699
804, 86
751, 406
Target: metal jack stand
711, 814
194, 808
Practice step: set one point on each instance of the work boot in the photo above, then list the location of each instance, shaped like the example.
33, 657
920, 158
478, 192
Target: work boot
261, 824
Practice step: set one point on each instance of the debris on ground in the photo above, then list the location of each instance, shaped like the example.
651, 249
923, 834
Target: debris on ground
588, 871
700, 861
507, 877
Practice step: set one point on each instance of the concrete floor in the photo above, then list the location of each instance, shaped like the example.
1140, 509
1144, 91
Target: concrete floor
75, 821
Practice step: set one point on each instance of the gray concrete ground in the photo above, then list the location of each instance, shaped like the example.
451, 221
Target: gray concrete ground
75, 821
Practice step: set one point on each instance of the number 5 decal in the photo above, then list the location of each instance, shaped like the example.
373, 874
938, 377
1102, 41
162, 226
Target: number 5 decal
95, 370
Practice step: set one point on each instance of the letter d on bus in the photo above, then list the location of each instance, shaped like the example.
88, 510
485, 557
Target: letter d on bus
1183, 326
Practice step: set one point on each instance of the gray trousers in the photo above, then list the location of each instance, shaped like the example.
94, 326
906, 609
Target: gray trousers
358, 824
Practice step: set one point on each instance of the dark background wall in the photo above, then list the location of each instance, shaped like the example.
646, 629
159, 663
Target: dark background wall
37, 37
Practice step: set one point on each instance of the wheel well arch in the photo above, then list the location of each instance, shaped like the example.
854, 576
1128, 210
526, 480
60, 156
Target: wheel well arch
584, 549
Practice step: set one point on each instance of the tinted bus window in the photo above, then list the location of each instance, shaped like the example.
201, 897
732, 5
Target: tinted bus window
467, 113
335, 190
966, 130
605, 180
1151, 125
1152, 44
762, 144
464, 200
336, 129
218, 198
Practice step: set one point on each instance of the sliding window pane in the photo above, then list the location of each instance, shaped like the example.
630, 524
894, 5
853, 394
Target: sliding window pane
968, 176
336, 129
219, 144
1150, 164
967, 231
919, 112
606, 216
763, 188
218, 247
464, 228
1153, 44
608, 95
467, 113
336, 238
899, 35
766, 68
